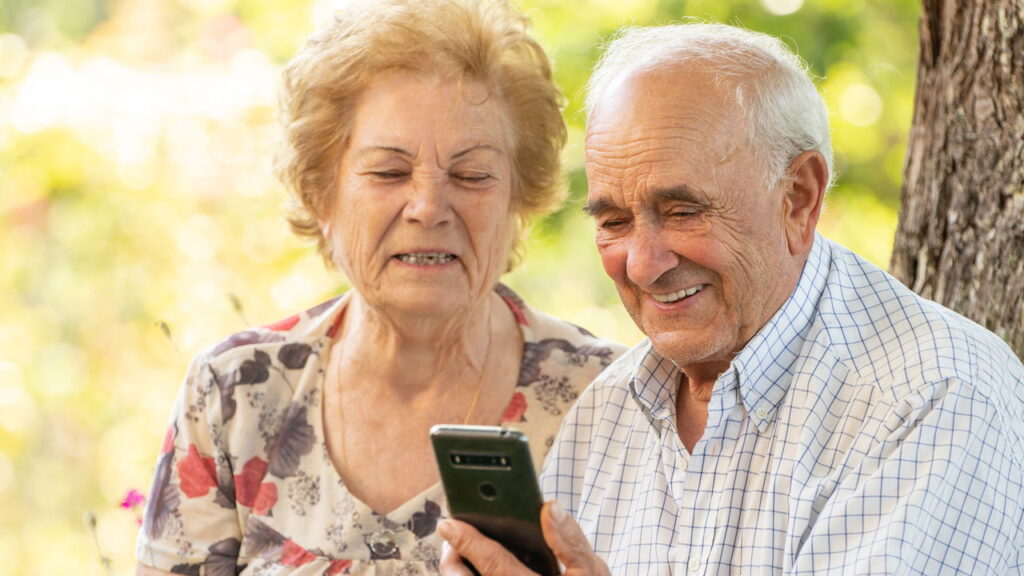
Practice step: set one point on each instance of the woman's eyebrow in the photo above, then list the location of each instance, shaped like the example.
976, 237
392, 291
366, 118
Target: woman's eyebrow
476, 147
377, 149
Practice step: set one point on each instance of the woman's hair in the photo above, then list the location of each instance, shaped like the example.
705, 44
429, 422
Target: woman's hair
785, 113
482, 40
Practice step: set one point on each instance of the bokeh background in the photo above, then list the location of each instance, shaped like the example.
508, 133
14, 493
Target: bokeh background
140, 220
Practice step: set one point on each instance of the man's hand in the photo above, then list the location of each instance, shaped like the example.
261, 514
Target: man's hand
562, 534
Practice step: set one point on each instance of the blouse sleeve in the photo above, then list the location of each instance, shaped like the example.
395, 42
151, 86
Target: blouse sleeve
190, 519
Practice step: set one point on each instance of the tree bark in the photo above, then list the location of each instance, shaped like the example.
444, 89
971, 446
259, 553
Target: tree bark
960, 239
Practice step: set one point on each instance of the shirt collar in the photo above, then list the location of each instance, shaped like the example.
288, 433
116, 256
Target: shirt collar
762, 368
653, 384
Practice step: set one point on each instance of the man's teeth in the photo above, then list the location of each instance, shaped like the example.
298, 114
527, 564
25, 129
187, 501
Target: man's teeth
427, 258
675, 296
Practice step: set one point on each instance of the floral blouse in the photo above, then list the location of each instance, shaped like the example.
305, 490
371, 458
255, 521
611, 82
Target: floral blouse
244, 484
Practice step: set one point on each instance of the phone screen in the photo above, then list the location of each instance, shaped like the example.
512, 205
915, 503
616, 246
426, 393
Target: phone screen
490, 482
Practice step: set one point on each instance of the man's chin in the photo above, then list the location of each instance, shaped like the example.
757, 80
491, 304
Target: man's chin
686, 347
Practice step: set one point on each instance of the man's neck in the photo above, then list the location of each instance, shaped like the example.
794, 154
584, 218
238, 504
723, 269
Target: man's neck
692, 401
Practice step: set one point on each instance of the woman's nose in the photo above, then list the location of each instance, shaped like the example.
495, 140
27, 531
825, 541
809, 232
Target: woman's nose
428, 202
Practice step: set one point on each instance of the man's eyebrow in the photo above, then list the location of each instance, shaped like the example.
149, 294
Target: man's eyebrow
593, 208
681, 193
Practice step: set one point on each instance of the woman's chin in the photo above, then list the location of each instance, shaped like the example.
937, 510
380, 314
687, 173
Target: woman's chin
427, 300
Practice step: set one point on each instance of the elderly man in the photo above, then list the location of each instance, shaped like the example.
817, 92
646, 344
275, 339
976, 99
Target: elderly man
795, 409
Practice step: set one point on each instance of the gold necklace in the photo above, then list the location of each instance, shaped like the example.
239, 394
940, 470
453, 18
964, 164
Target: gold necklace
483, 373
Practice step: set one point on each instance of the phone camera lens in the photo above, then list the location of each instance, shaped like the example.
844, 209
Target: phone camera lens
488, 491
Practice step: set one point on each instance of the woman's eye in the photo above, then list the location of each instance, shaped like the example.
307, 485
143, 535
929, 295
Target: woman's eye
472, 177
388, 174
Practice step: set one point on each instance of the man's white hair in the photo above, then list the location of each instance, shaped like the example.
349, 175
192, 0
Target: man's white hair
786, 114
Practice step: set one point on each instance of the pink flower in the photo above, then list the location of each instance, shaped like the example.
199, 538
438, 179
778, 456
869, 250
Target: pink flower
132, 499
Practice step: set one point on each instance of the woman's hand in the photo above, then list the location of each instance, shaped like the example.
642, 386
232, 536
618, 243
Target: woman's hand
563, 535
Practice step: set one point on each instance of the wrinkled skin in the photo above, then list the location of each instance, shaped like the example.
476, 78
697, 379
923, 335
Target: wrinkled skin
679, 203
427, 169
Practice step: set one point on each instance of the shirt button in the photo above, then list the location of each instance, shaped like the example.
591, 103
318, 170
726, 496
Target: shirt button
382, 542
760, 412
694, 564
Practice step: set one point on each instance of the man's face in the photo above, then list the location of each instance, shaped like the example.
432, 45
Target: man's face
694, 241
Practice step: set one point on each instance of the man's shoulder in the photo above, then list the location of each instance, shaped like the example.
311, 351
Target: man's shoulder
883, 330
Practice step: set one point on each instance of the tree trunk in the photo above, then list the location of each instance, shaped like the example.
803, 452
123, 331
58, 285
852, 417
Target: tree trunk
960, 239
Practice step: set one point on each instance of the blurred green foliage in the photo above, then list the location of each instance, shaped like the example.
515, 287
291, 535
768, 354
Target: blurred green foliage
139, 220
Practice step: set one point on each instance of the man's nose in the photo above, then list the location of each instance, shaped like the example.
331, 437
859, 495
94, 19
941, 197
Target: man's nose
428, 202
650, 256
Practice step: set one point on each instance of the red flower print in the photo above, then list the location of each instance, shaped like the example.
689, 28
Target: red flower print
247, 484
168, 440
251, 490
516, 408
197, 473
283, 325
337, 567
265, 498
294, 555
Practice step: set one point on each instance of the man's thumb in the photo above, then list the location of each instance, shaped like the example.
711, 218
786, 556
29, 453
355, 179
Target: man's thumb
568, 542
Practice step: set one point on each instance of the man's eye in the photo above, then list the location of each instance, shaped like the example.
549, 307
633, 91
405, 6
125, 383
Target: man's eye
613, 224
683, 213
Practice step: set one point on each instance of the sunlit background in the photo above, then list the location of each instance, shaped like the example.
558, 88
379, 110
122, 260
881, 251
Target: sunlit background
140, 222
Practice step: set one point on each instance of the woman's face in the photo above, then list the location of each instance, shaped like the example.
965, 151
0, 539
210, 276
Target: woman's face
422, 220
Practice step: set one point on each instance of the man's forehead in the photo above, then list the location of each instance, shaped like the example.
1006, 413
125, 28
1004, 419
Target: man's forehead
677, 102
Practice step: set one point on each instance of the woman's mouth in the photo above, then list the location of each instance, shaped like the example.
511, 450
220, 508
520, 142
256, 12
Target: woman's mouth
426, 258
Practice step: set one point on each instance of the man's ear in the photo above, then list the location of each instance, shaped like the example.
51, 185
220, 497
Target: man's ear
808, 180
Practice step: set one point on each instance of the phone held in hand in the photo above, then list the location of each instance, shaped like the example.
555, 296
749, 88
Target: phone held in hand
490, 482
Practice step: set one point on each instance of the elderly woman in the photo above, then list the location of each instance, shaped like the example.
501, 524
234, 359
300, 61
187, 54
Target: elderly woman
422, 137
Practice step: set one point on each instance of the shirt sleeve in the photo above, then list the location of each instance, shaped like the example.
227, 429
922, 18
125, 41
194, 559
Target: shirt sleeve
190, 519
939, 492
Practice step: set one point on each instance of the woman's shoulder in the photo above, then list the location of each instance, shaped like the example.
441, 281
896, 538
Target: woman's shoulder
284, 337
550, 331
268, 366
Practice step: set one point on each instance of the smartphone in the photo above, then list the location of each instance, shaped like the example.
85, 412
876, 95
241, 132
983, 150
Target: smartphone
489, 479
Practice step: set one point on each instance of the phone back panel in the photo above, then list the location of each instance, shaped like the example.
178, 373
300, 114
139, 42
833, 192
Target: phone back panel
490, 482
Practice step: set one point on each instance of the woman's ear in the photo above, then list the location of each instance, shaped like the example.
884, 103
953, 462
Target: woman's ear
808, 181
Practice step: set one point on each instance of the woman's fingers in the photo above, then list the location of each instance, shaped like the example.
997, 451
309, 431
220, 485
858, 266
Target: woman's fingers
568, 542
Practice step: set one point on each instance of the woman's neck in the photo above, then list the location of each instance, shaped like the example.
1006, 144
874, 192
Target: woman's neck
414, 354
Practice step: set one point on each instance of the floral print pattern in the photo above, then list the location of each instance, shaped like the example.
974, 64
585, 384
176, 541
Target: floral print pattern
244, 484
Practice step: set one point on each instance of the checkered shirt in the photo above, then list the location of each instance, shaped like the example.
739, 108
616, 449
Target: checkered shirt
863, 430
